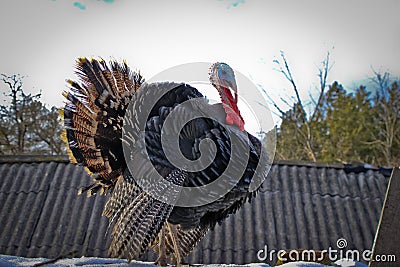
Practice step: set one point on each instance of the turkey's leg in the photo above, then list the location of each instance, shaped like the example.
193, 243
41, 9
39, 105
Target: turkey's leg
174, 237
161, 260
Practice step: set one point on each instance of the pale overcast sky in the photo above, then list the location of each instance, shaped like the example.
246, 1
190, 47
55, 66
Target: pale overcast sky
42, 38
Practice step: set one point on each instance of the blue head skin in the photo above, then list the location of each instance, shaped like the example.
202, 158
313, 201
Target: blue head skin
223, 79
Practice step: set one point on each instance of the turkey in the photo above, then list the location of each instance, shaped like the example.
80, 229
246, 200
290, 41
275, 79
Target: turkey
107, 111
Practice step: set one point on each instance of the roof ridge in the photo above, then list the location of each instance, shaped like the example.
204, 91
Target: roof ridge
309, 164
333, 195
33, 158
347, 167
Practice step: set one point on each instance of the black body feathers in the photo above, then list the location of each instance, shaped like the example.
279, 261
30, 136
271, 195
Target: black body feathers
94, 122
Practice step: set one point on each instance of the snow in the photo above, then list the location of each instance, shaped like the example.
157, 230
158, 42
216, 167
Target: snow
14, 261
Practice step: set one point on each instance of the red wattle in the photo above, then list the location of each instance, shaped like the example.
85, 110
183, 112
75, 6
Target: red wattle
232, 111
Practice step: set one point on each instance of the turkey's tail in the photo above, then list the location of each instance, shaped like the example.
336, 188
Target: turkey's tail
93, 117
137, 216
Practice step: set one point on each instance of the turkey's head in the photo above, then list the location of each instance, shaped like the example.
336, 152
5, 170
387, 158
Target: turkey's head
223, 79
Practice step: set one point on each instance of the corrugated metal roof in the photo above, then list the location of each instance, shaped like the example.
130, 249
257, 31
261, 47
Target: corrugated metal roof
42, 215
301, 205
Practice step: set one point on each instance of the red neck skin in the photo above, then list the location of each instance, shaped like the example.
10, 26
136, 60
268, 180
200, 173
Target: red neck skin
229, 103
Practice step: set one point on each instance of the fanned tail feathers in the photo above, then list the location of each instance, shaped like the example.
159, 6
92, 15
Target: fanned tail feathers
93, 117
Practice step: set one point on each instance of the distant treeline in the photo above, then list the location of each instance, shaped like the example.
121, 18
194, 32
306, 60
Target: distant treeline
361, 126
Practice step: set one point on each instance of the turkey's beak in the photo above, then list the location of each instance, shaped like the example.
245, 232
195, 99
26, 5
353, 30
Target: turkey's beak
230, 83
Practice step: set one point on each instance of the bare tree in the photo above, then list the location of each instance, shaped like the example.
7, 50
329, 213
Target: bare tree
26, 125
387, 105
304, 130
15, 118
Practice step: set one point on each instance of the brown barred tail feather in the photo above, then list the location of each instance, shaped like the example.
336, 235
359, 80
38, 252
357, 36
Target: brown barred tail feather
93, 117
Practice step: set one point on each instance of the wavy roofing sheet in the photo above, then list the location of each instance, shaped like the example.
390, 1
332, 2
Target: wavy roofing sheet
301, 206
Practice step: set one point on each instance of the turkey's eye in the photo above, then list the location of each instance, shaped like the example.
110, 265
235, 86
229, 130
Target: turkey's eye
223, 72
